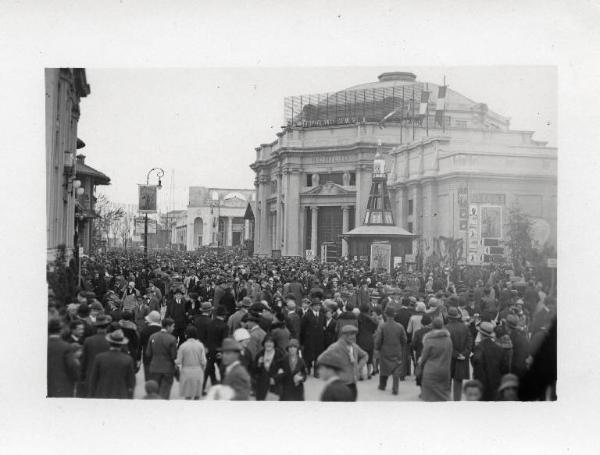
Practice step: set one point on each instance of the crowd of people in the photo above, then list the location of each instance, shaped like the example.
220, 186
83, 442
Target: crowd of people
232, 327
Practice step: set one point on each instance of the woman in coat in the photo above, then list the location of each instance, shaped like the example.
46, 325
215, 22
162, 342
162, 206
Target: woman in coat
366, 333
268, 369
191, 361
435, 363
294, 374
390, 340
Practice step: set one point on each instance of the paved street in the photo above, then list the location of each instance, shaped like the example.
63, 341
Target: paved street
367, 390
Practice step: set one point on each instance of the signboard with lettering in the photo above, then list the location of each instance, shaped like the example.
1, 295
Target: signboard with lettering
139, 226
488, 198
397, 261
551, 263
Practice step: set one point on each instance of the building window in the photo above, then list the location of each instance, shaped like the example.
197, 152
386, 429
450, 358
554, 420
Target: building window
410, 207
461, 123
309, 180
410, 228
335, 177
352, 178
273, 186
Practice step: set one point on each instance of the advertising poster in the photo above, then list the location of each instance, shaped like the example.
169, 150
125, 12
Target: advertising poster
147, 198
491, 222
381, 256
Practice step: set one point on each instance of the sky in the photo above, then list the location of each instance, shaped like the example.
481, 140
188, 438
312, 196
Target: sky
201, 125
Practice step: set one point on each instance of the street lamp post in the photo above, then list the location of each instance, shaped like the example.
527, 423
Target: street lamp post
159, 173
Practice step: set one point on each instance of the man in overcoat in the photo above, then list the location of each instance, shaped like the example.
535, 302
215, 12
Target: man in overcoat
461, 350
312, 336
162, 350
489, 362
63, 366
390, 342
113, 374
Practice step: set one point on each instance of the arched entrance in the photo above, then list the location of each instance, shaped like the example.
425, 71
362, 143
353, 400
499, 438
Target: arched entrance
198, 230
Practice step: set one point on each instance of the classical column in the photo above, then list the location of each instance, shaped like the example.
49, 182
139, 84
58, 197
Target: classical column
246, 229
229, 231
400, 208
263, 229
345, 226
292, 214
314, 211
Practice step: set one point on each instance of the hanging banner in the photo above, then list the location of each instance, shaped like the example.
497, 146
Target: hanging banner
147, 198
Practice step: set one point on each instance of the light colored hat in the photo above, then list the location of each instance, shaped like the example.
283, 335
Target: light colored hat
153, 317
117, 337
240, 335
420, 307
486, 329
508, 380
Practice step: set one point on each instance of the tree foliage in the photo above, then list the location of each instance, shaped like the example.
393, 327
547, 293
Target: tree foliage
62, 277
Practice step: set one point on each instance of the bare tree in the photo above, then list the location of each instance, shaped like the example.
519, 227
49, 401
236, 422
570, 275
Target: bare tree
108, 216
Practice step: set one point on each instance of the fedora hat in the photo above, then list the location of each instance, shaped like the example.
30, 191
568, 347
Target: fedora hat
453, 313
206, 306
230, 345
102, 320
153, 317
512, 320
486, 329
117, 337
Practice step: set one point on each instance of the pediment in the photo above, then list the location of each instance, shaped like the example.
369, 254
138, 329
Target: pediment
327, 189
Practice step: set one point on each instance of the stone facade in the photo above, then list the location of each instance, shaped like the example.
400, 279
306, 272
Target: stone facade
311, 170
64, 89
214, 217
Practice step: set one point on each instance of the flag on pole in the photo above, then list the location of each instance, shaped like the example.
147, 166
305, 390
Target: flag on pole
424, 103
440, 106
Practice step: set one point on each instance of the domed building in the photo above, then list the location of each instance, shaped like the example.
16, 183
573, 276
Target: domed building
454, 168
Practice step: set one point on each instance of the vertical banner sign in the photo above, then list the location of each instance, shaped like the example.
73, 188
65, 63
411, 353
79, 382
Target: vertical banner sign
381, 255
474, 254
463, 208
147, 198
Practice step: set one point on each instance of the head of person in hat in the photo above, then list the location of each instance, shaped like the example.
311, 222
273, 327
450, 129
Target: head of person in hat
420, 307
153, 318
512, 321
293, 347
102, 321
230, 351
348, 333
486, 329
116, 338
509, 388
329, 364
83, 311
242, 336
206, 307
454, 313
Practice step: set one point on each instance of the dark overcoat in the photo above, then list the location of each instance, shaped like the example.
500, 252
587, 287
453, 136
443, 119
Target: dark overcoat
390, 339
489, 365
290, 391
112, 375
62, 369
312, 336
461, 344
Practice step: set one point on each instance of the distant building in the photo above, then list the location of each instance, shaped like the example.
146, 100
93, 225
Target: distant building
454, 169
64, 89
214, 217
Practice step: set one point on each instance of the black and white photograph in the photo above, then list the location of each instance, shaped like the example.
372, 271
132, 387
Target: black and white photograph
259, 227
322, 254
